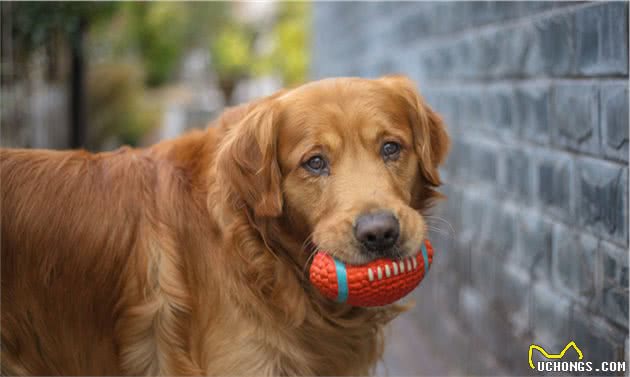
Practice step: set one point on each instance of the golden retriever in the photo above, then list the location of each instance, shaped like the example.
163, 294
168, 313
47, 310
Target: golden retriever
191, 256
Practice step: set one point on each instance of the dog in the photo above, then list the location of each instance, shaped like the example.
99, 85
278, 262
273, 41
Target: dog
191, 256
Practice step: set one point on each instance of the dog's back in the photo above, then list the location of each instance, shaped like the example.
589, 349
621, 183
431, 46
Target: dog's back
69, 225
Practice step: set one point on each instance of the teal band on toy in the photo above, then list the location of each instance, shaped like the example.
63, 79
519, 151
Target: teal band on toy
425, 257
342, 281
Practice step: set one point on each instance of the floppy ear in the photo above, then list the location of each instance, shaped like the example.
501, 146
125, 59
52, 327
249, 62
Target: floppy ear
247, 163
431, 141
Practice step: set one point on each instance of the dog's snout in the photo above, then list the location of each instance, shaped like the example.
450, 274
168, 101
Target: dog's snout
377, 231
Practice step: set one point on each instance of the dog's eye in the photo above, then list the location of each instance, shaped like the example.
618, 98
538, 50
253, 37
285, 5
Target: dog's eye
390, 151
317, 165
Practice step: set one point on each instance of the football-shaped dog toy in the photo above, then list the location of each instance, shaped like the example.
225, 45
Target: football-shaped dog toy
376, 283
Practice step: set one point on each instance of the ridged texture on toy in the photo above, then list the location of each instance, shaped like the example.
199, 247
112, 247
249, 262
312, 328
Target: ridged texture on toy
377, 283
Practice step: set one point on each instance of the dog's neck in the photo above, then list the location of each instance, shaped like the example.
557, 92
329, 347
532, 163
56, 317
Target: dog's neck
265, 303
303, 326
298, 326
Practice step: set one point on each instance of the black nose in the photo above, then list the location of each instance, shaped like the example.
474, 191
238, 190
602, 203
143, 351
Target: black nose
377, 231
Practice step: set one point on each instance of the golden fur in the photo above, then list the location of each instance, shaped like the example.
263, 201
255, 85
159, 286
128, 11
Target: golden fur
190, 257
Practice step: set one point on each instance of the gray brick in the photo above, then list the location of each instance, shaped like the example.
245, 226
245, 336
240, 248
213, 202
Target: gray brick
448, 211
597, 340
554, 184
483, 12
492, 54
515, 46
465, 57
575, 261
435, 61
601, 36
417, 24
614, 296
447, 104
603, 193
518, 179
534, 239
447, 292
532, 7
473, 162
499, 108
483, 322
474, 210
549, 317
514, 297
386, 8
574, 114
498, 237
470, 103
552, 49
483, 270
484, 161
493, 243
614, 120
486, 55
473, 214
462, 262
532, 112
443, 19
457, 163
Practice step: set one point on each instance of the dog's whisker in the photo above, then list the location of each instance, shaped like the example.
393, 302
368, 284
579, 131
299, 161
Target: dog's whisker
308, 260
307, 240
431, 217
307, 247
435, 228
440, 231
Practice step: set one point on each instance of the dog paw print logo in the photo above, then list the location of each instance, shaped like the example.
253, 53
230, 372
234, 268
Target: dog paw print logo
552, 356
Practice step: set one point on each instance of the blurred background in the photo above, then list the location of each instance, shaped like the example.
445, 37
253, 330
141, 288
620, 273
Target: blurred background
532, 243
100, 75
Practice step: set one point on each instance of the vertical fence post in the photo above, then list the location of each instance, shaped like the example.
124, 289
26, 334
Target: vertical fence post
77, 86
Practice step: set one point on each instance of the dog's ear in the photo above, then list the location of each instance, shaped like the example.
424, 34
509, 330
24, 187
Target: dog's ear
431, 141
247, 163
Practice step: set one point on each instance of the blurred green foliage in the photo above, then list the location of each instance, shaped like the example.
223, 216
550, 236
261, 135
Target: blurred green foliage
158, 29
161, 31
231, 52
133, 47
291, 53
44, 25
117, 106
234, 55
236, 50
33, 23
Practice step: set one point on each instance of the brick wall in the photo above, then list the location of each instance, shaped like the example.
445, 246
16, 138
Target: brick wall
535, 95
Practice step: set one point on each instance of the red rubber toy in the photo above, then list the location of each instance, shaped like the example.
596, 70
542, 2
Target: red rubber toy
377, 283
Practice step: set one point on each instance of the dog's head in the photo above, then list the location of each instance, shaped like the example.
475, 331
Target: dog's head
347, 162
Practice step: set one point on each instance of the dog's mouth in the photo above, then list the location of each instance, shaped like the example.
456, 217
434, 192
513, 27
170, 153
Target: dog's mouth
402, 260
361, 256
380, 282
